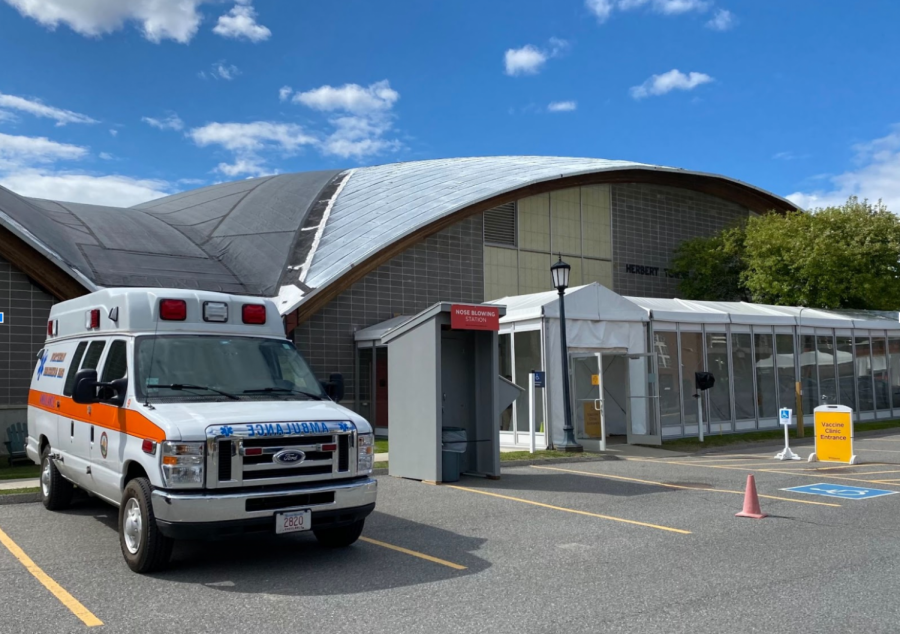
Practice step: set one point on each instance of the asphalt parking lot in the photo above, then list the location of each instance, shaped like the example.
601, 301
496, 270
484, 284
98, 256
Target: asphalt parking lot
641, 544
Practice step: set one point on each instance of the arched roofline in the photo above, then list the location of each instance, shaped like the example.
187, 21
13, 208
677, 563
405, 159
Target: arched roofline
52, 274
753, 198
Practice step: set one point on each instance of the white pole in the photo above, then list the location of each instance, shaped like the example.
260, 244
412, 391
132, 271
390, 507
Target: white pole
531, 416
787, 446
700, 412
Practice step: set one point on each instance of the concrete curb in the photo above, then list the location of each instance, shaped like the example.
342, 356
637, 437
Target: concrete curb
20, 498
539, 461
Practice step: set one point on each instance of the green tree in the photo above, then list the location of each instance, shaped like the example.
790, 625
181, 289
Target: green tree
837, 257
711, 268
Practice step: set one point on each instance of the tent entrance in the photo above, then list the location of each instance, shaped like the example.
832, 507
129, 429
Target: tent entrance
600, 395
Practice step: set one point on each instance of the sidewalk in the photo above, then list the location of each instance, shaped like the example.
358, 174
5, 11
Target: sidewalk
21, 483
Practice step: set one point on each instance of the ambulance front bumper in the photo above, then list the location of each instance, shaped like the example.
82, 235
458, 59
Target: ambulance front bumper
194, 514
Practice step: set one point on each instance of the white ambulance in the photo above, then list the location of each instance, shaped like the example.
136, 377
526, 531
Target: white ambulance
192, 413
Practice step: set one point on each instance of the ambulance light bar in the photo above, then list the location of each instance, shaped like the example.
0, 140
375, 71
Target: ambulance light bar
254, 313
173, 309
215, 311
92, 319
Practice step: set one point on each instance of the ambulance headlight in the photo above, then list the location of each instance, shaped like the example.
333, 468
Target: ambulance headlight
182, 464
365, 454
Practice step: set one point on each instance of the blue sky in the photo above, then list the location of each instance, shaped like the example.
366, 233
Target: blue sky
119, 101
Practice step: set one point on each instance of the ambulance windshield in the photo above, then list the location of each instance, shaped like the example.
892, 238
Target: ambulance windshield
202, 367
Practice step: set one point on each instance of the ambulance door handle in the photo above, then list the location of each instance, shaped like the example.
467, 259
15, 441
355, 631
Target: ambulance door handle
72, 428
92, 433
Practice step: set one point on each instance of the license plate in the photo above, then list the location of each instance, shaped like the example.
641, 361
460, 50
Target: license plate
293, 522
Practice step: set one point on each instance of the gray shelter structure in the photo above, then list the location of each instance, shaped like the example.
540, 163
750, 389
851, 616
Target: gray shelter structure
446, 378
344, 249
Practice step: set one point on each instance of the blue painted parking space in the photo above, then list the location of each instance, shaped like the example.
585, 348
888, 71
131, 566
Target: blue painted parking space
840, 491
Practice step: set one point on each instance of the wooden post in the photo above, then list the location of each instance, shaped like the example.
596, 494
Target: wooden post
800, 432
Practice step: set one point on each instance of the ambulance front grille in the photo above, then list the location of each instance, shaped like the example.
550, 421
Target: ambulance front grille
228, 464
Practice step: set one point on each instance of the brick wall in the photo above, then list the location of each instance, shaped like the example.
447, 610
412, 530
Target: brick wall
648, 222
26, 308
448, 266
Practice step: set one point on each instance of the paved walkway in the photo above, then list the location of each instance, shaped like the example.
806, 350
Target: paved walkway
21, 483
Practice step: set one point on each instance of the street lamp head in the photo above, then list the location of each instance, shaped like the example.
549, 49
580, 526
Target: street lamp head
560, 273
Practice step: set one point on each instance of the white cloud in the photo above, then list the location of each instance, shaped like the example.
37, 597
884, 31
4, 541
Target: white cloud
529, 60
377, 97
562, 106
358, 137
38, 109
158, 19
106, 156
722, 20
172, 122
17, 152
221, 70
876, 177
284, 92
114, 132
114, 190
603, 9
247, 140
7, 116
667, 82
240, 23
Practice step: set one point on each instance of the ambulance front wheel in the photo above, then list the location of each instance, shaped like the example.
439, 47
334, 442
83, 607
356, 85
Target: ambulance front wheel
56, 491
145, 548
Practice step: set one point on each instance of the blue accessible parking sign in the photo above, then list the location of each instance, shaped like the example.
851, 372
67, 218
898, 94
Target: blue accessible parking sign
840, 491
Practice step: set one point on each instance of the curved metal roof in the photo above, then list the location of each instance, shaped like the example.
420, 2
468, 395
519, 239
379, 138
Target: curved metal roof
293, 235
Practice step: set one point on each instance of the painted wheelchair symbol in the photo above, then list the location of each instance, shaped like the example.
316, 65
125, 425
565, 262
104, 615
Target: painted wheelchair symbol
859, 492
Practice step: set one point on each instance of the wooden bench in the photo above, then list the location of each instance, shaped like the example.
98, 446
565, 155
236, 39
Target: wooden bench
15, 444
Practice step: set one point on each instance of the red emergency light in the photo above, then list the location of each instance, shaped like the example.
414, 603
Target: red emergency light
253, 313
253, 451
173, 309
92, 319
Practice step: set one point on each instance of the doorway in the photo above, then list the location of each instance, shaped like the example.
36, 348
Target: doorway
601, 399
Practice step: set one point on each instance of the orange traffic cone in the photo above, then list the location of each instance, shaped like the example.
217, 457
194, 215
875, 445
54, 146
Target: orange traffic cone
751, 501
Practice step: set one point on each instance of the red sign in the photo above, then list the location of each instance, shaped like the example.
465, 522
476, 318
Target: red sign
463, 317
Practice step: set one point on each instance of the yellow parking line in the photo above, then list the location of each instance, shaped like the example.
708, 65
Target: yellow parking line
846, 466
55, 589
874, 472
679, 486
577, 512
795, 472
412, 553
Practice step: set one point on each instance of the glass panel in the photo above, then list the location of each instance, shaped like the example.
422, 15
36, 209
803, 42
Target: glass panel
381, 386
808, 381
847, 393
506, 373
894, 347
587, 418
717, 363
528, 358
364, 386
765, 375
565, 221
864, 374
666, 344
880, 372
595, 218
534, 272
742, 361
534, 222
598, 271
784, 345
825, 355
691, 362
501, 276
69, 387
116, 365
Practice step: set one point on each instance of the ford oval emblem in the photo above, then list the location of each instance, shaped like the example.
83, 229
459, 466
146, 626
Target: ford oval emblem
289, 456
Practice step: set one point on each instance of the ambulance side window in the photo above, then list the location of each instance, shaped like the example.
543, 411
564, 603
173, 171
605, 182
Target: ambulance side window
73, 368
116, 365
92, 358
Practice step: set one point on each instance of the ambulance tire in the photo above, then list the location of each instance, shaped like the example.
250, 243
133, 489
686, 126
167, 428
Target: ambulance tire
56, 491
153, 549
340, 537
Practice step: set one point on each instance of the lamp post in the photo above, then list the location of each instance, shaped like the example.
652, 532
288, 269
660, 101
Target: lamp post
560, 273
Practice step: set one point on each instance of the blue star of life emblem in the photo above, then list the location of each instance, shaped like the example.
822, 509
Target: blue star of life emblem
343, 426
41, 364
226, 430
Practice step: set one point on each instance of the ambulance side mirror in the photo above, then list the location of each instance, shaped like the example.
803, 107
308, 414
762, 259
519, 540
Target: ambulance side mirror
113, 392
85, 391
